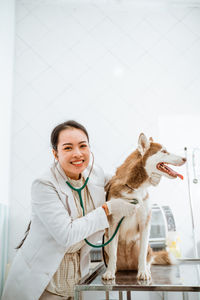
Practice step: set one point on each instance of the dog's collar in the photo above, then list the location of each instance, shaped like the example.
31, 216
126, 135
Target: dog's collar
129, 187
134, 200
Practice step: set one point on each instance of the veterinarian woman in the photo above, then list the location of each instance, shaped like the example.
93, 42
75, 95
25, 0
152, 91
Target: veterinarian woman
54, 256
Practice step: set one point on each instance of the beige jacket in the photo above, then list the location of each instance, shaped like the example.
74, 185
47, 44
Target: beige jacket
54, 228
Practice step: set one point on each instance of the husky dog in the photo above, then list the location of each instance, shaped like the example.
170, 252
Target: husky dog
130, 250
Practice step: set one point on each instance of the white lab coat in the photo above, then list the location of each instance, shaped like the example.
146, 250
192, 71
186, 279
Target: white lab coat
54, 228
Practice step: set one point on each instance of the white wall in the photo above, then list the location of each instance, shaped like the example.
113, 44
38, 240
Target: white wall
7, 17
179, 196
115, 66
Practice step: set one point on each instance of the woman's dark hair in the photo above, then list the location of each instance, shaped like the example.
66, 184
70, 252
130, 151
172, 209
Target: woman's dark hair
54, 143
68, 124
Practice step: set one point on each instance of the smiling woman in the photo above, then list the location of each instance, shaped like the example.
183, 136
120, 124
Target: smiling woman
53, 256
74, 154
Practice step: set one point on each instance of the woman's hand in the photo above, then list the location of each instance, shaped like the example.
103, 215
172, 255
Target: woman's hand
119, 208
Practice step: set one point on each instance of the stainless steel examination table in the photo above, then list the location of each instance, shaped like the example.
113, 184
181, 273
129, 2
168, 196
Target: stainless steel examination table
183, 277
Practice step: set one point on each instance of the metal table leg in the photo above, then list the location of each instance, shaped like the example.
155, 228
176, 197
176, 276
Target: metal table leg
164, 296
76, 295
120, 296
185, 296
107, 295
128, 295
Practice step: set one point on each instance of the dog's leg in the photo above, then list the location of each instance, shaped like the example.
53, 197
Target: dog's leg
112, 254
144, 272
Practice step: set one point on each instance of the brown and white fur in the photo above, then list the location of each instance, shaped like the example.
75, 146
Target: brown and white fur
130, 250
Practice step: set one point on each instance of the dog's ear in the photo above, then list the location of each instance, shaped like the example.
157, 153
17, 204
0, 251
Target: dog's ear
151, 139
143, 143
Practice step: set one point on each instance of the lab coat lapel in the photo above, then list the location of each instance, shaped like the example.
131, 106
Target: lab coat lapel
66, 190
96, 191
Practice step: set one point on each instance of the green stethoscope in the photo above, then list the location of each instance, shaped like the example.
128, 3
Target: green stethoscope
81, 202
82, 206
78, 190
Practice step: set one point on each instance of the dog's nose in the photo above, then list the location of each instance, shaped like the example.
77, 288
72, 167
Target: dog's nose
184, 159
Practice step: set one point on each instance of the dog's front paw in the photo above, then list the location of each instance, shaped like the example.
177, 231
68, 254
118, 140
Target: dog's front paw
144, 274
108, 275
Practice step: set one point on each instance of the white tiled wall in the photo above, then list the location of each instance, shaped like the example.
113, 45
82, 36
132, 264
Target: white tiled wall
7, 38
115, 66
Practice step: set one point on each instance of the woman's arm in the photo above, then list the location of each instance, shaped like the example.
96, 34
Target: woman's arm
52, 213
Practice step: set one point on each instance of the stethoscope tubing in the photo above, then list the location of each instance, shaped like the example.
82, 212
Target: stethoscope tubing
82, 206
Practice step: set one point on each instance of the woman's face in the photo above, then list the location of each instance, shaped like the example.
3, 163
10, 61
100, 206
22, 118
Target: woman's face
73, 152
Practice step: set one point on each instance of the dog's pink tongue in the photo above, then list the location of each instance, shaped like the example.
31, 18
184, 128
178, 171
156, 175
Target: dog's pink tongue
174, 173
177, 174
180, 176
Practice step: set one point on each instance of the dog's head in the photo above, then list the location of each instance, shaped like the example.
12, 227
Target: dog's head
156, 158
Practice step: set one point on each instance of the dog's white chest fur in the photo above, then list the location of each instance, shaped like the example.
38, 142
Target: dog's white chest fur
142, 210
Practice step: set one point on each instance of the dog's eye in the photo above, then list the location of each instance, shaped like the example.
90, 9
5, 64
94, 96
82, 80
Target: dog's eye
164, 151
